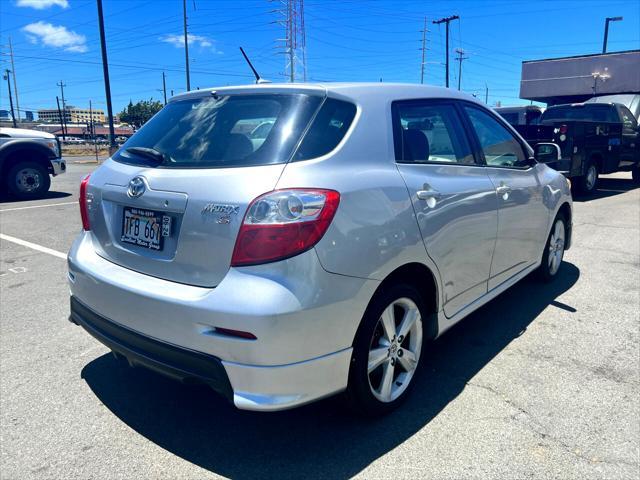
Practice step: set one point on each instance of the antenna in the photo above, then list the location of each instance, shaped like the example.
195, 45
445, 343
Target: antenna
255, 72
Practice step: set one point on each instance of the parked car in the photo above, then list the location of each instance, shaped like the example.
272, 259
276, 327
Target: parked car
525, 119
371, 219
27, 158
594, 138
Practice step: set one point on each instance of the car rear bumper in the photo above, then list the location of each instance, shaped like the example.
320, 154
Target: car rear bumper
304, 320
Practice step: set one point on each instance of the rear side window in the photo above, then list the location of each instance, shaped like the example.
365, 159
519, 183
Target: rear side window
222, 131
328, 129
585, 113
426, 132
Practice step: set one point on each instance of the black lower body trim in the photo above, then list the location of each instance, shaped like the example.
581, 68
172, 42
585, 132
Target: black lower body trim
176, 362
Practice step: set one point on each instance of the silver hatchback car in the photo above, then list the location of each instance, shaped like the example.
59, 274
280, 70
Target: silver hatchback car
283, 243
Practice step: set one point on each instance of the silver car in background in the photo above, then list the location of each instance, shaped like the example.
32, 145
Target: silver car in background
319, 256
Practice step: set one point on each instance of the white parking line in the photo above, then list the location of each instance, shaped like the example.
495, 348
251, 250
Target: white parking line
34, 246
38, 206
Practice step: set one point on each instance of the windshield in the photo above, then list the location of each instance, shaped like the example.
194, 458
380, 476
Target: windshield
587, 113
223, 131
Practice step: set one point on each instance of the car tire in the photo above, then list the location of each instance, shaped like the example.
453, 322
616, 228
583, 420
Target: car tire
588, 183
28, 180
553, 254
635, 175
383, 369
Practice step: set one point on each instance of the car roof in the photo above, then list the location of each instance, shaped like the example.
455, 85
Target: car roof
360, 92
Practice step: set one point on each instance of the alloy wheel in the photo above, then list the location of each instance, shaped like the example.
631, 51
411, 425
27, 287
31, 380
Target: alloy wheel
556, 247
395, 348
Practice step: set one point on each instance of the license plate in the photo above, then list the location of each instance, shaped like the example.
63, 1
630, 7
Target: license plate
145, 228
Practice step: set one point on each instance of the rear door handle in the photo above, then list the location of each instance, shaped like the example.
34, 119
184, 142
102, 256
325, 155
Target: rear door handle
503, 190
427, 194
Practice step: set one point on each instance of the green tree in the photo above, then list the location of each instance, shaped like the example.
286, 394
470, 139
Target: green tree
137, 114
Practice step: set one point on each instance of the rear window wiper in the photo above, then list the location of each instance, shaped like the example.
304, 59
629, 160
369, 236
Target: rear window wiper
150, 153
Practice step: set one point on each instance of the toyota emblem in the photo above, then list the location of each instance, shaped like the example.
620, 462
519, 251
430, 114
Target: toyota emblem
136, 187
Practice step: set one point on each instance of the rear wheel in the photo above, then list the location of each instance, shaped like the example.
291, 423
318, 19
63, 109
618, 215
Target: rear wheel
27, 180
588, 183
387, 351
554, 250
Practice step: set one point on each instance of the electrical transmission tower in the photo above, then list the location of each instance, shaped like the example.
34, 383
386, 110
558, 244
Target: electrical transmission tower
293, 45
424, 49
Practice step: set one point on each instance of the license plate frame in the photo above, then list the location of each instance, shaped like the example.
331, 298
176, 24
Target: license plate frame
153, 242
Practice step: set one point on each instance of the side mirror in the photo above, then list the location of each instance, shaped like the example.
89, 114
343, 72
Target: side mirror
547, 152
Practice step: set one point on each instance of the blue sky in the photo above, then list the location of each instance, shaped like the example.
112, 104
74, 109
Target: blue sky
347, 40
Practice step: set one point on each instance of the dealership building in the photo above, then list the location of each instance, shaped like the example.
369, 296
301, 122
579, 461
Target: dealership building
576, 79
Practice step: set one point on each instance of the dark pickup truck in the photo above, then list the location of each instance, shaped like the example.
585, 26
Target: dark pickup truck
594, 138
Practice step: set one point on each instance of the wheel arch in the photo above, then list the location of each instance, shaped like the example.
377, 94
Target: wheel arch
10, 153
423, 279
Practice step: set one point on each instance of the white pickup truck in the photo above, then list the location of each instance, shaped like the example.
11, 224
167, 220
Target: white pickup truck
27, 159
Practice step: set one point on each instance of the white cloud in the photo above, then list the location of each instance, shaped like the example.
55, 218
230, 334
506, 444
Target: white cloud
56, 36
42, 4
197, 40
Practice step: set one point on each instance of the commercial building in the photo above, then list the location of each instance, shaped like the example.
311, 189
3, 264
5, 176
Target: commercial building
72, 115
576, 79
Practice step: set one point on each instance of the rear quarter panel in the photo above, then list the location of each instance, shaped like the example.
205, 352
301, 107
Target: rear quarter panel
374, 230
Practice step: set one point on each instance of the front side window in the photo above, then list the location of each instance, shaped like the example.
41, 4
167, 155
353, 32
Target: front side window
498, 144
222, 131
429, 133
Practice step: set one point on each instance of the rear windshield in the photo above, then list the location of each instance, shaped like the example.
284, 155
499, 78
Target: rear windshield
223, 131
587, 113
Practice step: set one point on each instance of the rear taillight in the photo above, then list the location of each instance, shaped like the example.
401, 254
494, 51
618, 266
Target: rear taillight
283, 223
563, 129
85, 203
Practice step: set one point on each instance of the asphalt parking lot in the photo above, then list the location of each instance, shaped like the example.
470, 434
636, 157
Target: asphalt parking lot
543, 382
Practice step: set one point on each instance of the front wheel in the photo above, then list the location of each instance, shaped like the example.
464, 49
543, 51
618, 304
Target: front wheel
386, 351
28, 180
554, 250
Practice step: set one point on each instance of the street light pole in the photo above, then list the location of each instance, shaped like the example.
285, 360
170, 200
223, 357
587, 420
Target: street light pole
606, 31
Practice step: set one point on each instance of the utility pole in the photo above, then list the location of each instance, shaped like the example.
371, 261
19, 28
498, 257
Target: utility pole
486, 94
15, 83
606, 31
60, 116
293, 43
7, 77
186, 43
164, 88
107, 85
93, 130
64, 107
446, 21
424, 49
460, 58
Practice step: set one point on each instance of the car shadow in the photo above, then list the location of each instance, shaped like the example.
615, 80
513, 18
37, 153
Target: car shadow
50, 195
321, 440
608, 187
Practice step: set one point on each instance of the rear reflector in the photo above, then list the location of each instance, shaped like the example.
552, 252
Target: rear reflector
84, 203
284, 223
